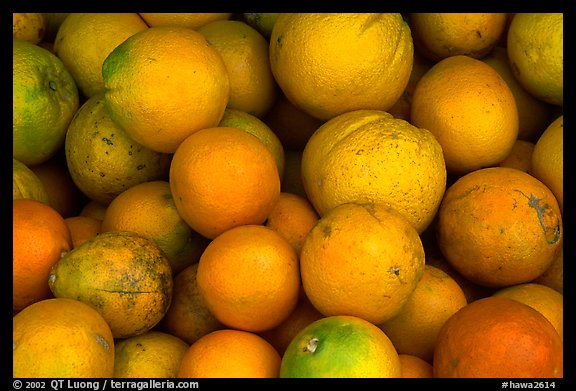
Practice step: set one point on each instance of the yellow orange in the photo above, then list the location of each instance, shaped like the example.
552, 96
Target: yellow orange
82, 228
553, 277
26, 184
183, 19
29, 26
414, 367
548, 159
520, 156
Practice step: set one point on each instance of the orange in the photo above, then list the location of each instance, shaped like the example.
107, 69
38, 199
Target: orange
499, 226
414, 367
63, 194
39, 238
470, 110
261, 21
82, 228
230, 354
520, 156
249, 277
182, 19
245, 53
533, 114
548, 158
188, 317
292, 217
102, 158
415, 328
543, 299
26, 184
84, 40
255, 126
61, 338
149, 209
222, 178
441, 35
340, 346
328, 64
153, 354
535, 47
369, 156
151, 79
29, 26
126, 277
500, 338
281, 335
94, 209
292, 181
44, 100
362, 260
292, 125
553, 277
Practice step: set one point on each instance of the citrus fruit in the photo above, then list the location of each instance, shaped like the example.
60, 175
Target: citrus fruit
499, 226
153, 354
39, 238
362, 260
44, 100
84, 40
151, 79
26, 184
148, 209
548, 158
125, 276
182, 19
328, 64
520, 156
242, 120
222, 178
61, 338
470, 110
103, 160
261, 21
535, 48
230, 353
94, 209
543, 299
245, 53
414, 329
369, 156
498, 337
340, 346
28, 26
82, 228
441, 35
293, 217
553, 277
249, 277
414, 367
188, 317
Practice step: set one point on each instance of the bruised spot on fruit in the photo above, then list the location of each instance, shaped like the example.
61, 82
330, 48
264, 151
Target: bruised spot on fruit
454, 362
548, 219
311, 345
395, 270
52, 85
327, 231
102, 341
107, 141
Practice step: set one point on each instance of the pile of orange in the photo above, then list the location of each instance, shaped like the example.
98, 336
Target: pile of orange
278, 195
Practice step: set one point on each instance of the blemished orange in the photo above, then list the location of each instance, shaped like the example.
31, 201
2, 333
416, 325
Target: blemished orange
245, 53
82, 228
497, 337
123, 275
499, 226
151, 78
543, 299
470, 110
182, 19
548, 159
230, 353
103, 159
414, 329
533, 113
39, 238
535, 48
441, 35
28, 26
149, 209
369, 156
553, 277
520, 156
413, 367
154, 354
188, 316
84, 40
331, 63
281, 335
249, 277
362, 260
340, 346
293, 217
61, 338
222, 178
26, 184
